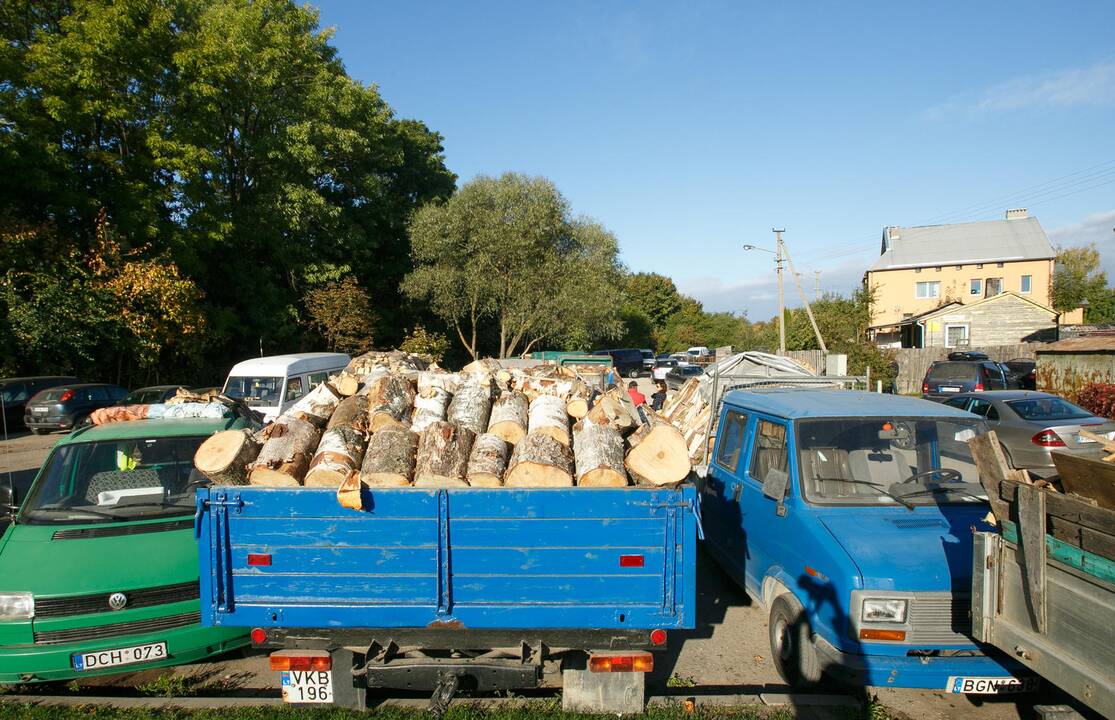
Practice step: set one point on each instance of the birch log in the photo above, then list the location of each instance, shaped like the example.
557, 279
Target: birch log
598, 450
348, 494
471, 406
443, 452
539, 461
389, 460
658, 454
390, 399
548, 417
396, 362
488, 460
435, 390
510, 416
614, 408
342, 445
576, 404
316, 406
225, 456
285, 456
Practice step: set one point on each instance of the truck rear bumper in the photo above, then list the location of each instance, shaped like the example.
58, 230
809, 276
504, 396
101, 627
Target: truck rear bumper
929, 673
43, 663
456, 637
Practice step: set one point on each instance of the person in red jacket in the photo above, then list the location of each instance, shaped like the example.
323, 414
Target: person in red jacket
636, 397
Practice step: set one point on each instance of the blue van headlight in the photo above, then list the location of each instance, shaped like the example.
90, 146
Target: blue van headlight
17, 606
884, 610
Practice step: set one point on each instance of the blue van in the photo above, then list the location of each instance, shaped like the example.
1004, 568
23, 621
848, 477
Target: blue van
849, 517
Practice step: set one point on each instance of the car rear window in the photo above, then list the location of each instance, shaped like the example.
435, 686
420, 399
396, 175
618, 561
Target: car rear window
50, 395
951, 371
1047, 408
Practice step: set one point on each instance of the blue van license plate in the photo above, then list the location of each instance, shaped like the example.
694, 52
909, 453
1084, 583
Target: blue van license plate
148, 652
991, 685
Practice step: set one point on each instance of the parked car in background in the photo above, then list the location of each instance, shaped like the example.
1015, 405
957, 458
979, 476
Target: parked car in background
680, 374
962, 372
1021, 373
1030, 425
648, 359
661, 356
15, 392
149, 395
681, 358
628, 362
67, 406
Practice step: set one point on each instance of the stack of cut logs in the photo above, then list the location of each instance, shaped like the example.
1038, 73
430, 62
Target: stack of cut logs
391, 419
688, 411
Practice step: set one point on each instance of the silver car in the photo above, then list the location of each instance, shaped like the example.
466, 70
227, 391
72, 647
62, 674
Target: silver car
1031, 425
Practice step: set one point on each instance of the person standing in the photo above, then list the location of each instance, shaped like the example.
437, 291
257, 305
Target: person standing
636, 397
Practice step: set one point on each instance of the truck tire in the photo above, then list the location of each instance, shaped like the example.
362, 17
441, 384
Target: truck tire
791, 643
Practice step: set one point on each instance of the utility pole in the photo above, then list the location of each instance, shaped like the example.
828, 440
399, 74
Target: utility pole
781, 300
816, 284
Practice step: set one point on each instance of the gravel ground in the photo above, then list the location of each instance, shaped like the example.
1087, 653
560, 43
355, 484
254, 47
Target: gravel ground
725, 659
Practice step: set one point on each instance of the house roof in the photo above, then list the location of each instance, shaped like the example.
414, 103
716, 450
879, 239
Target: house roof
963, 243
1087, 343
994, 298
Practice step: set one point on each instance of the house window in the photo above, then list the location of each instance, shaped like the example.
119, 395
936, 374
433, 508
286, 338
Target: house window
1026, 282
956, 336
975, 286
930, 289
992, 287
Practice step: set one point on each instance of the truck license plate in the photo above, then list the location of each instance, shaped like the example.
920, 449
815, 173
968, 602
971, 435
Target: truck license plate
991, 685
307, 686
149, 652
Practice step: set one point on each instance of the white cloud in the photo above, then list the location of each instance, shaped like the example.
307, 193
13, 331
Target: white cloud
1093, 85
1099, 229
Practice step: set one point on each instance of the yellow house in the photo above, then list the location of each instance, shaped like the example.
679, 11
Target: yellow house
920, 269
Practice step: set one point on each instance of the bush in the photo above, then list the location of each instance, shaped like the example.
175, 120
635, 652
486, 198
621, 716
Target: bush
1098, 398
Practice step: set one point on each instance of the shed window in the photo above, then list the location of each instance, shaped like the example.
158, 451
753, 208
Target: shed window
956, 335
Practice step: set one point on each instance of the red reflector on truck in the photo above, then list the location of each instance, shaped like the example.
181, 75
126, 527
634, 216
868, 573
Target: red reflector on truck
259, 559
658, 637
631, 561
259, 636
623, 662
300, 660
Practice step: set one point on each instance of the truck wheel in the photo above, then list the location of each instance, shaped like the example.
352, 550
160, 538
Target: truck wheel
791, 644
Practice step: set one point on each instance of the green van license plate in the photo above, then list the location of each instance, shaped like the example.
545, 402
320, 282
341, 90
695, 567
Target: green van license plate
149, 652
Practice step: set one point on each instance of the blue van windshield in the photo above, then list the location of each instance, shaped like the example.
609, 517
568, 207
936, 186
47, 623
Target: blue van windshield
869, 461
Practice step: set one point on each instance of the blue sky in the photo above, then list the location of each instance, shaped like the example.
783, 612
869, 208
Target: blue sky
690, 129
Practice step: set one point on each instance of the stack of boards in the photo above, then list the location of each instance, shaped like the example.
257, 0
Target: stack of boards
392, 419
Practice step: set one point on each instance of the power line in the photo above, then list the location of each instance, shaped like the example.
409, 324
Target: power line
1022, 200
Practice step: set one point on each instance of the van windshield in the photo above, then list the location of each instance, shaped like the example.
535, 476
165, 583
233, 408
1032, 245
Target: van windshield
256, 391
887, 460
115, 480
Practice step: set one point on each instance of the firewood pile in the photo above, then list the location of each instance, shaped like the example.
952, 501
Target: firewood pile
688, 411
393, 419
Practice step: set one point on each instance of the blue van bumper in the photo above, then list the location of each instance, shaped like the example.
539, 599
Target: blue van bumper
929, 673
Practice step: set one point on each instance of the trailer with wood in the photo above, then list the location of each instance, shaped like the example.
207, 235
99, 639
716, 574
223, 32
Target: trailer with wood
1043, 586
497, 528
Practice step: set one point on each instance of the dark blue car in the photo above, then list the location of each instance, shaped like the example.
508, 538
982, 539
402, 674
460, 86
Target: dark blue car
962, 373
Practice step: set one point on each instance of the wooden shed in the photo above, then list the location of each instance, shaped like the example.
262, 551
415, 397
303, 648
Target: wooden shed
1064, 367
1004, 319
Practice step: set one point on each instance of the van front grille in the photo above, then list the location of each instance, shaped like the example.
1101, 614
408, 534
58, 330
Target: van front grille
119, 530
135, 627
98, 602
940, 619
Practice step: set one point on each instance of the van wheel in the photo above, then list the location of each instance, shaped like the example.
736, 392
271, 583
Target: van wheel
791, 643
633, 374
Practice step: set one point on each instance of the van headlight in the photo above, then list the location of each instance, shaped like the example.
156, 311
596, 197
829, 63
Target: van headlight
884, 610
17, 606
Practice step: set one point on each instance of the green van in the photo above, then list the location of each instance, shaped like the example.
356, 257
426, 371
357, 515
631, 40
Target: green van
98, 568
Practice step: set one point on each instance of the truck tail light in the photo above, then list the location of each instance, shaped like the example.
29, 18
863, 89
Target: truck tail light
300, 660
259, 636
1047, 438
631, 560
891, 635
259, 559
658, 637
622, 662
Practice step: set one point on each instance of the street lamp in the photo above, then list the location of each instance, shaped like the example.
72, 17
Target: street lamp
777, 253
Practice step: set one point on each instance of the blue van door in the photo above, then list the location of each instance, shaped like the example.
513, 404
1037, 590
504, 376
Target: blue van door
768, 450
722, 494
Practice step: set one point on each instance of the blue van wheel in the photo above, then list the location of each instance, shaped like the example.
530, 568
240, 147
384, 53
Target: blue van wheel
791, 643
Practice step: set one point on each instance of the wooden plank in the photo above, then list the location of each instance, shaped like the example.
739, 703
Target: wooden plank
993, 470
1031, 520
1088, 562
1096, 541
1087, 478
1069, 507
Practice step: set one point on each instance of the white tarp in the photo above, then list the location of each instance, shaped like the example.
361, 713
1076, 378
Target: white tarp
756, 368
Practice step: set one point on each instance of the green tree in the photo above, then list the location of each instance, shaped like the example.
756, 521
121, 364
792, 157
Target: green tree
503, 253
1077, 278
654, 295
693, 326
342, 311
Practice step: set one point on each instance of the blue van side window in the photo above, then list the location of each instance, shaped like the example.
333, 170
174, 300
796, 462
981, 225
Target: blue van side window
770, 449
731, 441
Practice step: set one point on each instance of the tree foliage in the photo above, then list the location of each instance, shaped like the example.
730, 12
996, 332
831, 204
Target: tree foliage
655, 296
222, 136
504, 257
342, 312
1078, 278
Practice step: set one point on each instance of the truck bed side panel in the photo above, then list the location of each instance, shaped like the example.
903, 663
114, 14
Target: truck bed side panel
477, 558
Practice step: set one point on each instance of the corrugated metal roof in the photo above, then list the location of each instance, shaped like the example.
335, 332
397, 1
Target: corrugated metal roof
964, 243
1088, 343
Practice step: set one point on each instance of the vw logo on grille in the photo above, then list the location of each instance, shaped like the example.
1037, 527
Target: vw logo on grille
117, 600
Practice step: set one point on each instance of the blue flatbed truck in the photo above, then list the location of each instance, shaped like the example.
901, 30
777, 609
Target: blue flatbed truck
452, 589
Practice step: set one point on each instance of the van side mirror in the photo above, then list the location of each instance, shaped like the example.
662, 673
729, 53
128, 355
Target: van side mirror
774, 487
